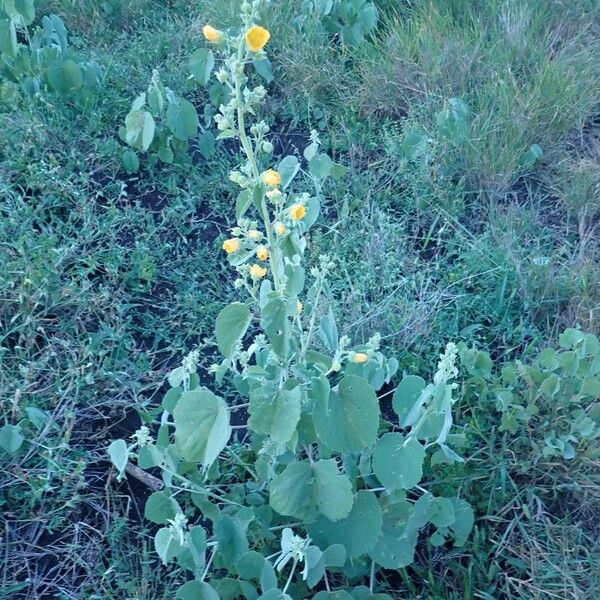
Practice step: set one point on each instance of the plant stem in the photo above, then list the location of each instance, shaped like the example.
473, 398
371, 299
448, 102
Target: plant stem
289, 579
209, 562
372, 577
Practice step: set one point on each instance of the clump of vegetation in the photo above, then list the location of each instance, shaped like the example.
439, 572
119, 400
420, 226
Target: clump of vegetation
319, 467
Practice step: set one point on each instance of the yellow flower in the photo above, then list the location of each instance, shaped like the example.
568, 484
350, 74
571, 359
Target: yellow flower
262, 253
299, 307
280, 228
271, 177
360, 358
297, 211
256, 38
254, 234
231, 245
257, 272
211, 34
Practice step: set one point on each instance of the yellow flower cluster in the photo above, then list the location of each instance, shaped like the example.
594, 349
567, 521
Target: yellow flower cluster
256, 37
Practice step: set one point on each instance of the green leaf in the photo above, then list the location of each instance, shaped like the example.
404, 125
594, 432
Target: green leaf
362, 592
264, 69
337, 595
304, 490
335, 556
196, 590
160, 507
165, 153
131, 162
406, 394
11, 438
328, 331
243, 203
26, 10
275, 323
275, 412
231, 325
202, 62
274, 595
320, 166
250, 565
202, 427
550, 386
395, 547
464, 520
140, 128
182, 119
358, 532
350, 422
206, 144
230, 533
287, 168
37, 417
65, 76
169, 402
167, 547
442, 512
119, 455
149, 456
8, 38
398, 463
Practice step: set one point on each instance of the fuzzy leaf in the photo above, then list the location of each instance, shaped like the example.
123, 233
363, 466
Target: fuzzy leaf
231, 325
65, 76
358, 532
140, 128
304, 490
11, 438
351, 421
182, 119
395, 547
202, 62
398, 463
201, 426
118, 454
275, 412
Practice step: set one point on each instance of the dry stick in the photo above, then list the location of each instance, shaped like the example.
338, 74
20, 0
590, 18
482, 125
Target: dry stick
152, 482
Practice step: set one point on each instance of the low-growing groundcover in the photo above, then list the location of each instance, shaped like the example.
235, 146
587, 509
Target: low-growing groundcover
462, 208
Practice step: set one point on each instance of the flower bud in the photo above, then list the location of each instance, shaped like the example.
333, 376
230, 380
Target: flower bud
211, 34
297, 211
231, 245
257, 272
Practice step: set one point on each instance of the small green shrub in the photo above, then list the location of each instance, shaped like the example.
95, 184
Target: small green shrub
159, 122
46, 63
352, 20
553, 402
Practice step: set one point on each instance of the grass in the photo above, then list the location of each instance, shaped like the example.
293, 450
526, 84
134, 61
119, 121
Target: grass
108, 279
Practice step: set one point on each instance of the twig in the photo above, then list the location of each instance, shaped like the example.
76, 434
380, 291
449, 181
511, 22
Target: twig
152, 482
